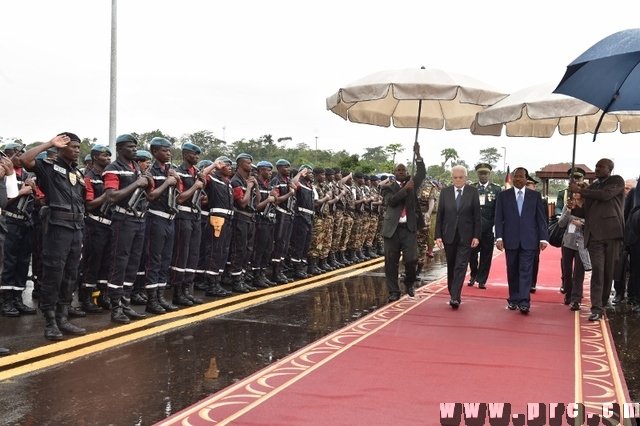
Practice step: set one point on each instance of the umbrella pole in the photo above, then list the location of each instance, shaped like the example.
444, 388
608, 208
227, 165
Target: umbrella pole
573, 157
413, 162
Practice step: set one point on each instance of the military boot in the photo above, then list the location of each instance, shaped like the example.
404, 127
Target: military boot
168, 306
138, 297
187, 293
103, 300
62, 313
35, 293
278, 276
351, 256
129, 311
361, 255
214, 289
8, 310
257, 281
51, 330
324, 265
84, 297
238, 286
298, 271
179, 297
263, 274
117, 315
312, 269
153, 307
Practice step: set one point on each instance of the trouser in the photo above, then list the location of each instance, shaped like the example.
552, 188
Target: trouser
338, 224
128, 240
432, 231
604, 255
620, 273
205, 245
573, 273
283, 229
96, 253
371, 230
263, 245
17, 256
422, 238
402, 242
219, 252
355, 239
519, 273
347, 226
61, 252
242, 238
186, 252
328, 236
634, 273
318, 235
301, 239
36, 253
159, 236
457, 254
480, 268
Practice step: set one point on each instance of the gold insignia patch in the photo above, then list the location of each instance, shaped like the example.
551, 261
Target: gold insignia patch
73, 178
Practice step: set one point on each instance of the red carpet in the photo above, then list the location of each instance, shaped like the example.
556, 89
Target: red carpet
399, 364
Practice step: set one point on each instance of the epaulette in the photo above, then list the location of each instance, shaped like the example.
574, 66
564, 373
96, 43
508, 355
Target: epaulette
47, 160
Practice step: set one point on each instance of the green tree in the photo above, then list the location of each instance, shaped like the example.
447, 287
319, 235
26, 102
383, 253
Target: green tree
490, 156
211, 146
393, 149
449, 154
376, 154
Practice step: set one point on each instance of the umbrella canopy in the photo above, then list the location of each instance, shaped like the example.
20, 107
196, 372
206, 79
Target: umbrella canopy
414, 98
607, 74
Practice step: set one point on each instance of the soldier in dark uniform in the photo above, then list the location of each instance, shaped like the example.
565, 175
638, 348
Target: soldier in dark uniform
303, 222
8, 189
63, 220
188, 232
126, 186
97, 249
205, 240
285, 205
138, 295
488, 192
265, 224
19, 226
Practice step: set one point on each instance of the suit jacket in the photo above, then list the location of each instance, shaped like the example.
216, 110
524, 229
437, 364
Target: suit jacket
395, 198
526, 230
466, 220
630, 238
604, 209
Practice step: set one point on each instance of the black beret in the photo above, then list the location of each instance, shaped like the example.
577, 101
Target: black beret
374, 178
71, 136
328, 171
336, 170
359, 175
318, 170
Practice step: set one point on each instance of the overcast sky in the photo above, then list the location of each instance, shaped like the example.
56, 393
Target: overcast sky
243, 69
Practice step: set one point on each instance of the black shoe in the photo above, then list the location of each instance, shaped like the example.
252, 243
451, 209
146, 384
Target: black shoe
76, 312
166, 305
138, 299
410, 290
117, 315
595, 317
512, 306
4, 351
129, 311
471, 282
617, 299
575, 306
562, 290
51, 330
393, 297
482, 286
103, 301
532, 289
191, 297
180, 299
567, 300
200, 286
20, 306
239, 288
8, 310
524, 309
250, 287
63, 323
454, 304
216, 290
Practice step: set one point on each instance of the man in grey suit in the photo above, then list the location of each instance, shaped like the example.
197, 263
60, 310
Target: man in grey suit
603, 230
400, 226
458, 229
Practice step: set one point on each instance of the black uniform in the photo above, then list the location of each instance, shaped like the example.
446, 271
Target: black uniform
303, 223
284, 220
220, 197
265, 224
243, 228
480, 270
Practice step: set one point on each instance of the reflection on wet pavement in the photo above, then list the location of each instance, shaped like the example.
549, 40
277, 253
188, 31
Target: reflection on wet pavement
625, 327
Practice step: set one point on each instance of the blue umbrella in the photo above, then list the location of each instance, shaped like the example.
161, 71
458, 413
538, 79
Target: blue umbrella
607, 75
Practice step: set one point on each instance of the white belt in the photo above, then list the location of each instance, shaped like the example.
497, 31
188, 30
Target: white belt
127, 212
307, 211
14, 215
204, 213
221, 211
281, 210
169, 216
188, 209
99, 219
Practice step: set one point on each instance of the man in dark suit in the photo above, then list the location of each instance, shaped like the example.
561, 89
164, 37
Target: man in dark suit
521, 230
458, 229
603, 230
400, 226
488, 192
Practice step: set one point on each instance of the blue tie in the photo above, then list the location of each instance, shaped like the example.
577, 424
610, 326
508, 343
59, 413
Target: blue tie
520, 200
458, 199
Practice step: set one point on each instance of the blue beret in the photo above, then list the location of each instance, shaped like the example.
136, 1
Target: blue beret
141, 153
126, 138
12, 145
87, 157
265, 164
225, 159
191, 147
53, 149
158, 141
304, 166
243, 155
234, 165
282, 162
204, 163
41, 156
101, 148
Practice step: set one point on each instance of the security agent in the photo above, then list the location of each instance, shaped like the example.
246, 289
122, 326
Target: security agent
488, 192
205, 241
531, 184
138, 295
126, 187
265, 224
63, 220
303, 221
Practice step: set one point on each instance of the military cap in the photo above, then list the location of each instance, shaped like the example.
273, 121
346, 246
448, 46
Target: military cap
71, 136
304, 166
101, 148
265, 164
337, 171
366, 178
358, 175
87, 158
12, 146
318, 170
161, 142
531, 180
143, 154
204, 163
328, 171
126, 138
244, 155
225, 159
234, 165
483, 167
41, 156
282, 162
577, 172
191, 147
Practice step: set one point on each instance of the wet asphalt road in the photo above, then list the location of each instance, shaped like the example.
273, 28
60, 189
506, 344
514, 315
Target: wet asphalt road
145, 381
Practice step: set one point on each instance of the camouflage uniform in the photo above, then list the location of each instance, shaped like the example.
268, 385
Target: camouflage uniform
425, 193
328, 226
348, 221
355, 239
338, 225
373, 221
318, 236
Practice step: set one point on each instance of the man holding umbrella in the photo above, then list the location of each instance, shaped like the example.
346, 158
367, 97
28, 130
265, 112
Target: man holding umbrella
401, 225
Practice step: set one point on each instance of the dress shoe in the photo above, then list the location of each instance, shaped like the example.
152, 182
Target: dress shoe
482, 286
524, 309
532, 289
471, 282
393, 297
567, 300
454, 304
595, 317
4, 351
617, 299
512, 306
575, 306
562, 290
410, 291
636, 309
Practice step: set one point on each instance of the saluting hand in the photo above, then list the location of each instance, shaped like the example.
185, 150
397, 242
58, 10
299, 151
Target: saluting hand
60, 141
6, 167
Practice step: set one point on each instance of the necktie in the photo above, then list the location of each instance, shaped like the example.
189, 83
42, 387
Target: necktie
459, 191
482, 187
520, 200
